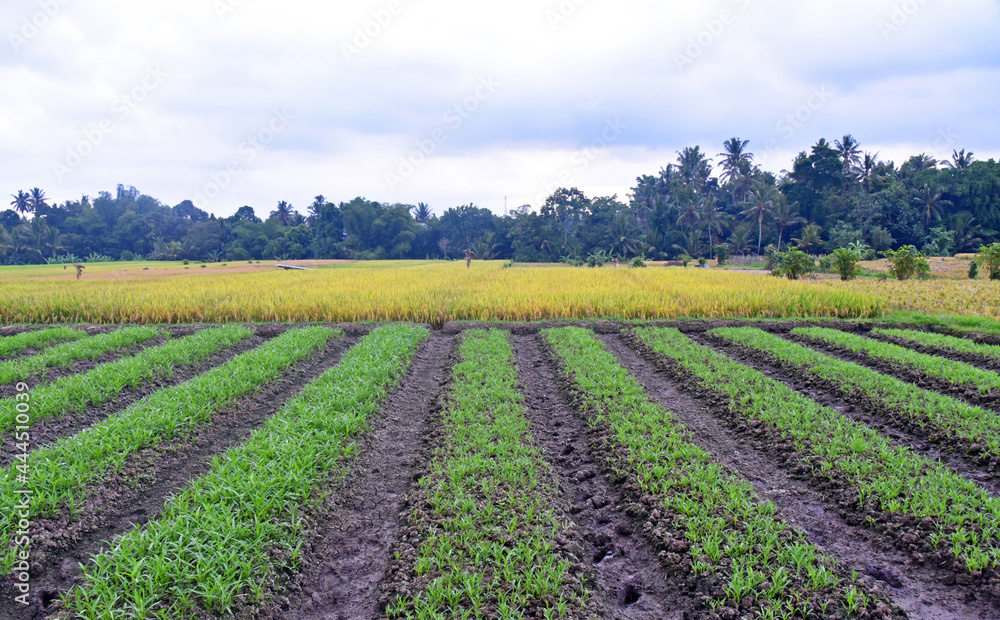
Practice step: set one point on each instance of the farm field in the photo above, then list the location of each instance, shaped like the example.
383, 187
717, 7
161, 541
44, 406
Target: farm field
693, 469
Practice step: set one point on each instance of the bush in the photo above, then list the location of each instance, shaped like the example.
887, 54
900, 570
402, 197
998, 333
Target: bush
907, 262
793, 264
128, 255
685, 259
722, 253
825, 264
989, 258
702, 261
973, 270
845, 262
638, 262
186, 262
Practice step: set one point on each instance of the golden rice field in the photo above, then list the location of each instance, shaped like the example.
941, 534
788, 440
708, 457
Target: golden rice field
954, 297
430, 292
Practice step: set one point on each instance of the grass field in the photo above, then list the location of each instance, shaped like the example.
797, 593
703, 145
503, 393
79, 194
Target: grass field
306, 461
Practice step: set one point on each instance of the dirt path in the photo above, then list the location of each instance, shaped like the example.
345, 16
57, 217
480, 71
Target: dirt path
351, 541
917, 589
138, 492
628, 581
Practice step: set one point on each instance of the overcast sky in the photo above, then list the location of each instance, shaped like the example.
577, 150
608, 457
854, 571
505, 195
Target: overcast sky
233, 102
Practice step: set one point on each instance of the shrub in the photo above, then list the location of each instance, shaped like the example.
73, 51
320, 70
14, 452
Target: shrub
722, 253
845, 262
638, 262
128, 255
793, 264
989, 258
907, 262
186, 262
973, 270
685, 259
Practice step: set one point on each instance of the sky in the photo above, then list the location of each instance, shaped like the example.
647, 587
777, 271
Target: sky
248, 102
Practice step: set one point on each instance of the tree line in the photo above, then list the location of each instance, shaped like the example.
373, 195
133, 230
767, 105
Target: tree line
834, 195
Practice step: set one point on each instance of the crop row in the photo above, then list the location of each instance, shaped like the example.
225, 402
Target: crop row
955, 373
710, 522
231, 532
889, 482
487, 528
86, 348
12, 345
60, 475
948, 343
74, 393
945, 419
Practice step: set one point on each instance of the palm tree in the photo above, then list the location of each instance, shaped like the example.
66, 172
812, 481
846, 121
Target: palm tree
930, 203
850, 151
759, 203
21, 202
867, 168
623, 235
54, 239
689, 216
960, 160
713, 218
485, 248
786, 215
733, 157
739, 241
38, 201
421, 213
284, 213
810, 238
967, 234
693, 167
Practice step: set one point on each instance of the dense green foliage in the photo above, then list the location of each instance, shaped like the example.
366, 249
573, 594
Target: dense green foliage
61, 474
935, 414
88, 348
486, 527
97, 386
12, 345
759, 556
229, 532
888, 479
907, 262
833, 195
941, 341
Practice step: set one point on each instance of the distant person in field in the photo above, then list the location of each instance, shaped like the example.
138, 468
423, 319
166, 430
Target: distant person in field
79, 270
468, 259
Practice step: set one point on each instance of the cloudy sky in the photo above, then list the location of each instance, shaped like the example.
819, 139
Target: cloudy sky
233, 102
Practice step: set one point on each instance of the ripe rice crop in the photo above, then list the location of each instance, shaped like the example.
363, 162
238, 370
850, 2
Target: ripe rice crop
427, 293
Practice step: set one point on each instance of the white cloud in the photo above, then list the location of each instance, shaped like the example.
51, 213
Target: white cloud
564, 66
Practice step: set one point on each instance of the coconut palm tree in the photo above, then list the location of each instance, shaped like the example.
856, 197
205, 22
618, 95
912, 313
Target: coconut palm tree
967, 234
54, 239
38, 201
284, 213
712, 218
421, 213
623, 235
786, 215
759, 203
868, 166
810, 237
850, 151
694, 168
733, 157
689, 216
960, 160
739, 240
930, 203
21, 202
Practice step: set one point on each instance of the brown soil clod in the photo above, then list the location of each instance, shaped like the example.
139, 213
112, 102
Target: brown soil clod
350, 536
626, 577
921, 591
139, 490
